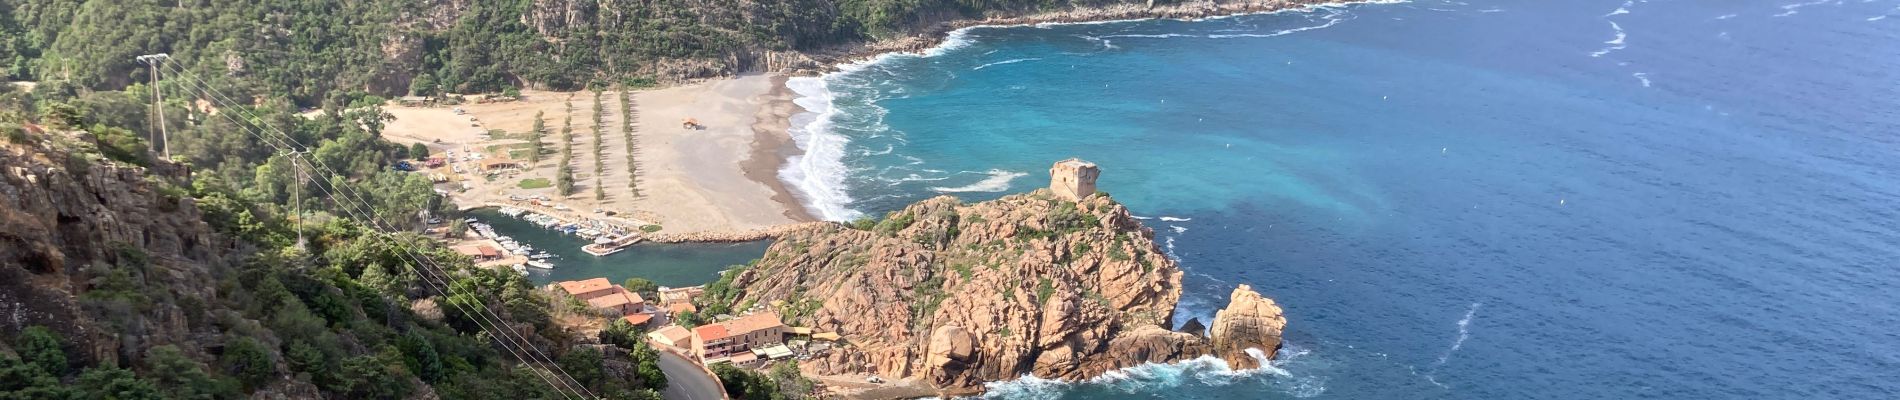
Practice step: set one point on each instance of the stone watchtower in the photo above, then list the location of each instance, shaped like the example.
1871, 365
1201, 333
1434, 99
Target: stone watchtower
1073, 179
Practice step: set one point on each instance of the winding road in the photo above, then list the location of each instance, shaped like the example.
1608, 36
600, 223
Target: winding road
686, 381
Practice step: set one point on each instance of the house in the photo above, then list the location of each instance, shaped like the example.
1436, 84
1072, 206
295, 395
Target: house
619, 303
590, 288
672, 335
638, 318
481, 252
723, 340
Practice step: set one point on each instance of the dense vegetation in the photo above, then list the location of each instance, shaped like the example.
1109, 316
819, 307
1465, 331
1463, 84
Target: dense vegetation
312, 50
347, 315
781, 382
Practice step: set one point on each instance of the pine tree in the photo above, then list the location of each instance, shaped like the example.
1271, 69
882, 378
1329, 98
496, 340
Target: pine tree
535, 146
564, 175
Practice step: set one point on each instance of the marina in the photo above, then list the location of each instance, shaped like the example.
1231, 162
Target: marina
669, 264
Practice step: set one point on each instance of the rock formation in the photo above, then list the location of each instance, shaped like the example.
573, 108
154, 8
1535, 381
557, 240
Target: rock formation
961, 294
1248, 322
66, 220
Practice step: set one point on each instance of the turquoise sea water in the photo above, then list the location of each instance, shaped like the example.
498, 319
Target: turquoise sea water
666, 264
1487, 200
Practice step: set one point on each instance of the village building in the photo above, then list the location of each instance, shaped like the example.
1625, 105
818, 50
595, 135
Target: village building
606, 297
590, 288
734, 340
672, 335
1073, 179
479, 252
618, 304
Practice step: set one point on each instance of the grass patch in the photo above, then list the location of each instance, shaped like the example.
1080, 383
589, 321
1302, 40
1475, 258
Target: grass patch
1044, 288
650, 228
534, 183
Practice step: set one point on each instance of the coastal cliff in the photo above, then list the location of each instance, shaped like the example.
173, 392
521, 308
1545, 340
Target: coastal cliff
957, 295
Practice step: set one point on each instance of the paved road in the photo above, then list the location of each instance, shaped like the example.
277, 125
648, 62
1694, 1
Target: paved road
685, 381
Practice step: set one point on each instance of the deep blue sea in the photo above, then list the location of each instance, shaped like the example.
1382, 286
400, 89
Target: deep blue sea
1591, 199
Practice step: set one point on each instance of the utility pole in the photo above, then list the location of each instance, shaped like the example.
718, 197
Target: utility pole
158, 101
296, 195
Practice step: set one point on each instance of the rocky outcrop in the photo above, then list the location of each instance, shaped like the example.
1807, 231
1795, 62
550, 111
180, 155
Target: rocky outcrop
1249, 322
961, 294
67, 221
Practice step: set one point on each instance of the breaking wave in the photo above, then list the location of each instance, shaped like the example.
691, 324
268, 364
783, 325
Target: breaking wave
818, 175
997, 181
1011, 61
1152, 378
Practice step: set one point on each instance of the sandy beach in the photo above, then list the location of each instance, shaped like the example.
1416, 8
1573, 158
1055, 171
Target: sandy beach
722, 177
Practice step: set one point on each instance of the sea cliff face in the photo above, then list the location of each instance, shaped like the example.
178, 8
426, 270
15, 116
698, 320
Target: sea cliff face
961, 294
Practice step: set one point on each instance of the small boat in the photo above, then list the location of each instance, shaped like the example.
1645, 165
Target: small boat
521, 269
541, 256
541, 264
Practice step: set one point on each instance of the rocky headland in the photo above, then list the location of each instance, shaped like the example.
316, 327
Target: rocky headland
956, 295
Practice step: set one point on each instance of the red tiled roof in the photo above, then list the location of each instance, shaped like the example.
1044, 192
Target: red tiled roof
711, 332
753, 323
613, 300
638, 319
585, 286
677, 308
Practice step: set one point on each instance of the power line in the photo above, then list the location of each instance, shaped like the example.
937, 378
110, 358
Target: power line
432, 274
430, 277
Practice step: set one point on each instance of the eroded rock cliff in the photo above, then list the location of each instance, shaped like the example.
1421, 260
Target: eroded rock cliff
960, 294
70, 224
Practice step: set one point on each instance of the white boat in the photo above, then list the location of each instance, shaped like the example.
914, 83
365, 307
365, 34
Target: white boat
541, 264
522, 269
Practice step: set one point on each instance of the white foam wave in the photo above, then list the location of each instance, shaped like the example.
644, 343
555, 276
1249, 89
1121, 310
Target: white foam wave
1642, 76
1464, 333
817, 176
1725, 16
956, 39
1792, 9
997, 181
1331, 20
1625, 9
1615, 43
1178, 228
1876, 18
1152, 378
1010, 61
1176, 219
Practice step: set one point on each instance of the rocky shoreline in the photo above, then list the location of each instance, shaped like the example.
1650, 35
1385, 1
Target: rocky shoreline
922, 40
954, 295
